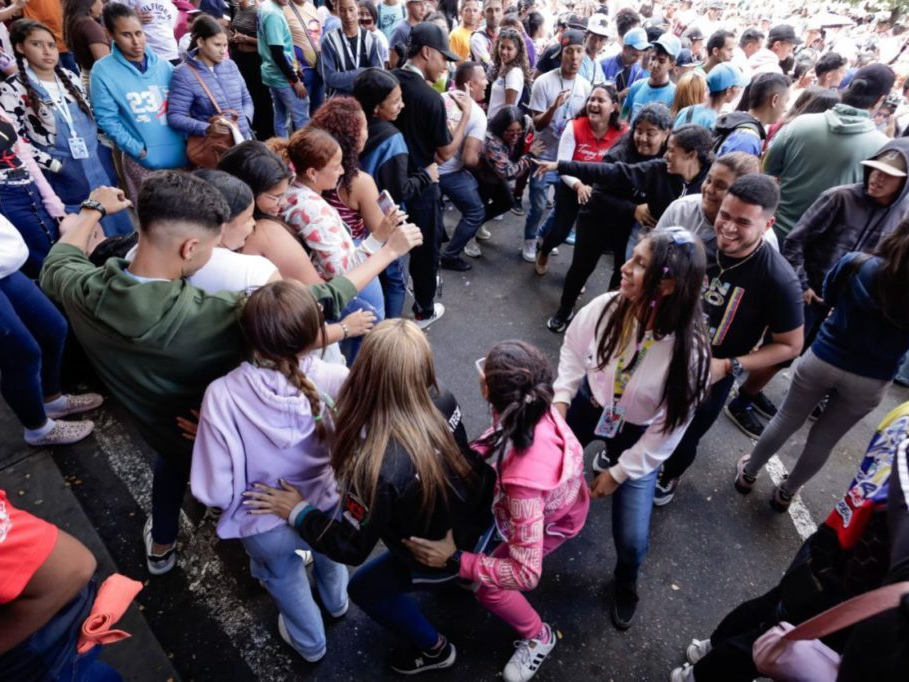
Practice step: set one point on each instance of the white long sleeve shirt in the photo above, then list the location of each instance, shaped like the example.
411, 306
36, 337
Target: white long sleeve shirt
641, 400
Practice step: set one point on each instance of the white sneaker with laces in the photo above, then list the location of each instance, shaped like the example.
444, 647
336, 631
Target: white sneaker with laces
697, 650
483, 234
683, 674
529, 252
63, 433
72, 404
437, 311
158, 564
529, 656
472, 249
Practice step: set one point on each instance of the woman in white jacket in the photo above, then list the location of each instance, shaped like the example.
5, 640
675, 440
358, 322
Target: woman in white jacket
632, 368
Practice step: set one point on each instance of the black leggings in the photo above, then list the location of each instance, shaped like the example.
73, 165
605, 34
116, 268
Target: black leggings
594, 237
565, 212
496, 196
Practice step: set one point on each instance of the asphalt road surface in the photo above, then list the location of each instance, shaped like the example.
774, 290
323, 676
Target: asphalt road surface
711, 548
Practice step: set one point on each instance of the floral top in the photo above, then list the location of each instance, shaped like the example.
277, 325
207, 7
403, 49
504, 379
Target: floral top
38, 127
326, 236
497, 157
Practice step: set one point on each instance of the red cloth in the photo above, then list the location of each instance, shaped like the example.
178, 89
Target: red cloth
25, 543
587, 147
113, 598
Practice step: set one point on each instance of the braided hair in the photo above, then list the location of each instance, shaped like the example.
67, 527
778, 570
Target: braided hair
18, 34
518, 381
281, 320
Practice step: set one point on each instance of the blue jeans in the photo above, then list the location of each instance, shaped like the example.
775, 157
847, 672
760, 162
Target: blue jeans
462, 188
632, 502
23, 207
394, 286
32, 335
380, 587
315, 88
370, 298
272, 560
286, 104
538, 194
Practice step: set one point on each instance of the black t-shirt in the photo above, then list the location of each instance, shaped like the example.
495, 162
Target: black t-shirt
762, 293
550, 59
422, 121
356, 47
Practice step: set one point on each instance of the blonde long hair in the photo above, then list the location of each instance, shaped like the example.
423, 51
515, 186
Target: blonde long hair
387, 397
690, 90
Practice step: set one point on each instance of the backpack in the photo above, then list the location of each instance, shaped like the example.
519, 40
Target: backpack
728, 123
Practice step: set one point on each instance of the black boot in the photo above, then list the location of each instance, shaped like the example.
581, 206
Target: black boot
624, 604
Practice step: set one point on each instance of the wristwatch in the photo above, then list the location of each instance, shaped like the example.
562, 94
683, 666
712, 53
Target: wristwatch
454, 561
735, 368
94, 205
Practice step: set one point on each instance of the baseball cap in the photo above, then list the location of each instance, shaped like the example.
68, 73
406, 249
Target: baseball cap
877, 79
785, 33
685, 58
598, 24
724, 76
431, 35
636, 38
669, 44
694, 34
571, 37
890, 162
716, 4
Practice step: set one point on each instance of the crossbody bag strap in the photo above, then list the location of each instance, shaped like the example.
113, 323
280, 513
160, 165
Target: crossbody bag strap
315, 50
850, 612
205, 87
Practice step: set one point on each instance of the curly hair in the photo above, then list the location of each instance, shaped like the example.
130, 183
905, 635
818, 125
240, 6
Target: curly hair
341, 117
520, 60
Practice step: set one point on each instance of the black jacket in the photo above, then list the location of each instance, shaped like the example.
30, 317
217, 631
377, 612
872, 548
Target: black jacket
385, 158
395, 513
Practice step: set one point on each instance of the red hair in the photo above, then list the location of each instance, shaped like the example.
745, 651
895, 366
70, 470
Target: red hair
311, 148
342, 118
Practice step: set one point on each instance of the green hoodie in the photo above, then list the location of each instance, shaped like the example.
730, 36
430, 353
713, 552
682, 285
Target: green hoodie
816, 152
156, 345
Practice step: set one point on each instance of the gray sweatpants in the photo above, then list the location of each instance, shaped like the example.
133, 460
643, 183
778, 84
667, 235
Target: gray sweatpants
851, 398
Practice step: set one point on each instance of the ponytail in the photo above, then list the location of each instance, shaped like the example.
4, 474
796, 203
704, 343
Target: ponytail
290, 368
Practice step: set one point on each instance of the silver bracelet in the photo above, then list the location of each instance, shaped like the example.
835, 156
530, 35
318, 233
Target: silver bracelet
345, 330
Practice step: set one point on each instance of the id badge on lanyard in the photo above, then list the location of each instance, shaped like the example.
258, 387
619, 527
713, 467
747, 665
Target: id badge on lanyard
77, 146
610, 422
613, 417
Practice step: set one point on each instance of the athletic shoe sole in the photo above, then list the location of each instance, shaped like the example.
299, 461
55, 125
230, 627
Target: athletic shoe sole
163, 566
741, 428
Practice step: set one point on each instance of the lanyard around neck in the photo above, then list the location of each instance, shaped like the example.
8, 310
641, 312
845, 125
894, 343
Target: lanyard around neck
62, 105
354, 58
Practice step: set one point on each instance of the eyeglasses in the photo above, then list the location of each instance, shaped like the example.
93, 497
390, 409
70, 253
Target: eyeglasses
274, 197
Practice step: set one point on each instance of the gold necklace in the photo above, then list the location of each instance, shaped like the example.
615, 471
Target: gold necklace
723, 271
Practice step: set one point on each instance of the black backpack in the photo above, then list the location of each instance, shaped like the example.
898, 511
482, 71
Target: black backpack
728, 123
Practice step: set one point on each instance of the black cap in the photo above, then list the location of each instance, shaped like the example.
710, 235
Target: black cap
694, 34
431, 35
571, 37
783, 32
876, 79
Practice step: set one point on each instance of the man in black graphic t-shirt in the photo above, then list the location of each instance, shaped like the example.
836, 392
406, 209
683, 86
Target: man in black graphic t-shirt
749, 288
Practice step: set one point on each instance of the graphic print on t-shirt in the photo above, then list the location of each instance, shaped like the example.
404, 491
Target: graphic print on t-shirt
150, 101
716, 295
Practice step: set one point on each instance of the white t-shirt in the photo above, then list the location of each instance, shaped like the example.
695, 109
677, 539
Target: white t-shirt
160, 32
513, 80
476, 128
545, 90
13, 251
229, 271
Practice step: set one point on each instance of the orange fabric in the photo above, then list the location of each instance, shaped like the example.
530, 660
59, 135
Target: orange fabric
114, 597
49, 13
25, 543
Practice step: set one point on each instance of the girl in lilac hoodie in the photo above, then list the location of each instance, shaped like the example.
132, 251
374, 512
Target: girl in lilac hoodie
269, 421
541, 498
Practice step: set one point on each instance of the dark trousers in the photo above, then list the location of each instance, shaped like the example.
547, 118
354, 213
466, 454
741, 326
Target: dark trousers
425, 211
250, 66
564, 213
687, 449
171, 476
23, 207
32, 335
497, 198
594, 237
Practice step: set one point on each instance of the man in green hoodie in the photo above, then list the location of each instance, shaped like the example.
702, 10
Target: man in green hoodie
818, 151
155, 340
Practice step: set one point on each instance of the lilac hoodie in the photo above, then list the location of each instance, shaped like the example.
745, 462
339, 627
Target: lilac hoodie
255, 426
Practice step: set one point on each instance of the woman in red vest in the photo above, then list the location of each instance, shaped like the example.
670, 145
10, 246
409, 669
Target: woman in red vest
588, 138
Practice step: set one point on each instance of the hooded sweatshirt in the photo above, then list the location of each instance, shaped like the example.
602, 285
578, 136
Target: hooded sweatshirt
131, 107
256, 427
843, 219
156, 345
815, 152
385, 158
540, 492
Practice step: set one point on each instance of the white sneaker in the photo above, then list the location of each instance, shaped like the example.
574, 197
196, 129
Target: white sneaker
285, 635
472, 249
437, 311
554, 252
63, 433
697, 650
483, 234
529, 252
683, 674
74, 404
158, 564
529, 656
499, 218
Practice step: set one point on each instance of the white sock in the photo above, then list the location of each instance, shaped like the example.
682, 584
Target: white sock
41, 431
57, 403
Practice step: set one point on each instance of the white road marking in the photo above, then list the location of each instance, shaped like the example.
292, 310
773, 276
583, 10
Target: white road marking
801, 517
211, 584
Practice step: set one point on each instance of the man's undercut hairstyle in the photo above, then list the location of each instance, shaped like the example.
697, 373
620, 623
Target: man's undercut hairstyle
464, 73
749, 36
177, 197
757, 189
762, 89
829, 62
717, 41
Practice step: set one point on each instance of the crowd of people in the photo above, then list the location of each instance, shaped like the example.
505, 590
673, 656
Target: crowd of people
224, 207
